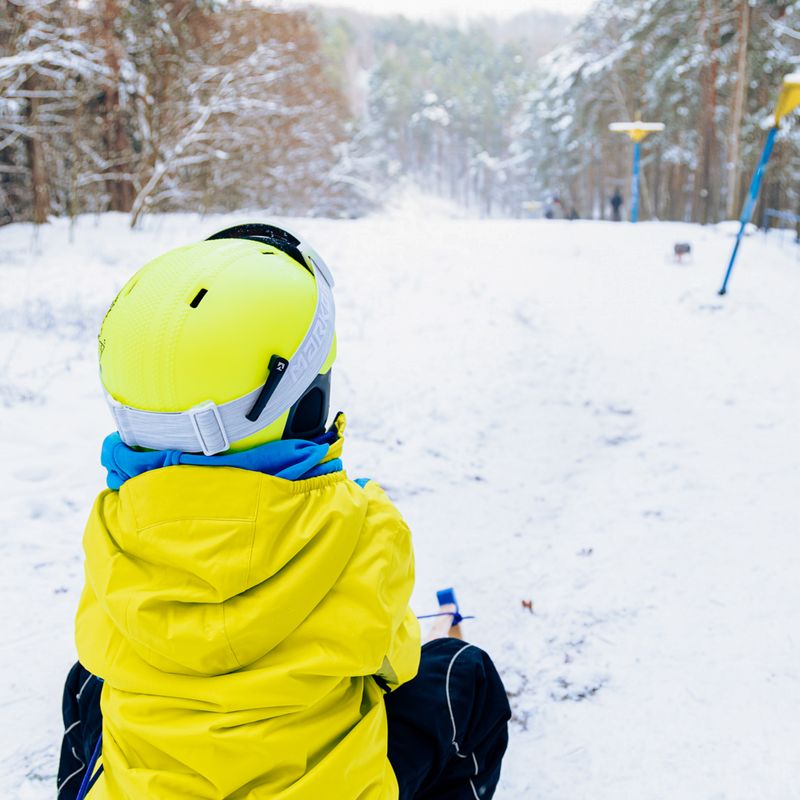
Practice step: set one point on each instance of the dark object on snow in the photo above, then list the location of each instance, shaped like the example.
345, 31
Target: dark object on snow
573, 214
682, 249
616, 204
448, 727
528, 605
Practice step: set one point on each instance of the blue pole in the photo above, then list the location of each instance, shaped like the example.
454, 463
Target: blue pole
750, 204
637, 154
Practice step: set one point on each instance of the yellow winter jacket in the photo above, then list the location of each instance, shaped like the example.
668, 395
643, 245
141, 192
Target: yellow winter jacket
238, 621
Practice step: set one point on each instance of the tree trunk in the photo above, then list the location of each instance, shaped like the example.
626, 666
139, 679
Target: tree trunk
36, 162
710, 197
737, 110
680, 188
120, 191
706, 187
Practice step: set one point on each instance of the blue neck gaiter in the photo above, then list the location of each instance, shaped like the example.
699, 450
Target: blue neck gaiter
291, 459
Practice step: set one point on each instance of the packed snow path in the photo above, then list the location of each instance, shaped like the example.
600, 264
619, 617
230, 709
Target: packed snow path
564, 416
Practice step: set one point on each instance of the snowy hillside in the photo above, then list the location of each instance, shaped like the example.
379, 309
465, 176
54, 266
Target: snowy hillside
562, 413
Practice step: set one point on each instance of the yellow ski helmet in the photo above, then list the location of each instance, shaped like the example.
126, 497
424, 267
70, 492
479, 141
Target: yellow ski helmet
222, 345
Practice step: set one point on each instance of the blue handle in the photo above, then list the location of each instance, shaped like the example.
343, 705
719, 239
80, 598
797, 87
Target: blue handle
446, 597
750, 204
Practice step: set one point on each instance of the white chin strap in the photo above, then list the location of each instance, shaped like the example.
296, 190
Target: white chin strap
209, 428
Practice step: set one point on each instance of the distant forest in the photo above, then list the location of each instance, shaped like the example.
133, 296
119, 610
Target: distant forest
131, 105
135, 106
711, 70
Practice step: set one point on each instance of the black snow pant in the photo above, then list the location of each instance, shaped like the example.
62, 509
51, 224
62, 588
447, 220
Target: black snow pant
448, 728
83, 723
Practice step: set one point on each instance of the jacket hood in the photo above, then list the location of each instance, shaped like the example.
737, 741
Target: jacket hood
205, 571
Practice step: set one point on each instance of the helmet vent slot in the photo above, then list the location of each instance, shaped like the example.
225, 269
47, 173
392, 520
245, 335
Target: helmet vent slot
198, 297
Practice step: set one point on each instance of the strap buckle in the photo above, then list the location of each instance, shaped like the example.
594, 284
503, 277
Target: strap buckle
208, 428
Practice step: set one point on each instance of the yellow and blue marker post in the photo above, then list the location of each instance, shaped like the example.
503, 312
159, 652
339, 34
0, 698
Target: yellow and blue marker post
789, 100
637, 132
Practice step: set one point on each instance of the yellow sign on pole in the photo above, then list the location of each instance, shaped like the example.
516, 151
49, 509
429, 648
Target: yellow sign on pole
789, 98
638, 131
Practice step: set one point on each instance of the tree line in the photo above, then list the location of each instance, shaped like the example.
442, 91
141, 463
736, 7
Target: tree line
130, 105
710, 70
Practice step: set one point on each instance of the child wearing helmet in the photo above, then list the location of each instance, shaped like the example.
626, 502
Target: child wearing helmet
244, 628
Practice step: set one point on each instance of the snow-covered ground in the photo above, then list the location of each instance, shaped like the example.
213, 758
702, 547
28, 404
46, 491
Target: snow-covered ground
563, 414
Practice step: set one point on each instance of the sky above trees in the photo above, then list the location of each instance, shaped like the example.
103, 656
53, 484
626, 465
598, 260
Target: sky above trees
453, 8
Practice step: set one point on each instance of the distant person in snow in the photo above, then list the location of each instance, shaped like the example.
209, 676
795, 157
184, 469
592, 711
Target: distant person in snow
616, 206
553, 208
244, 628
